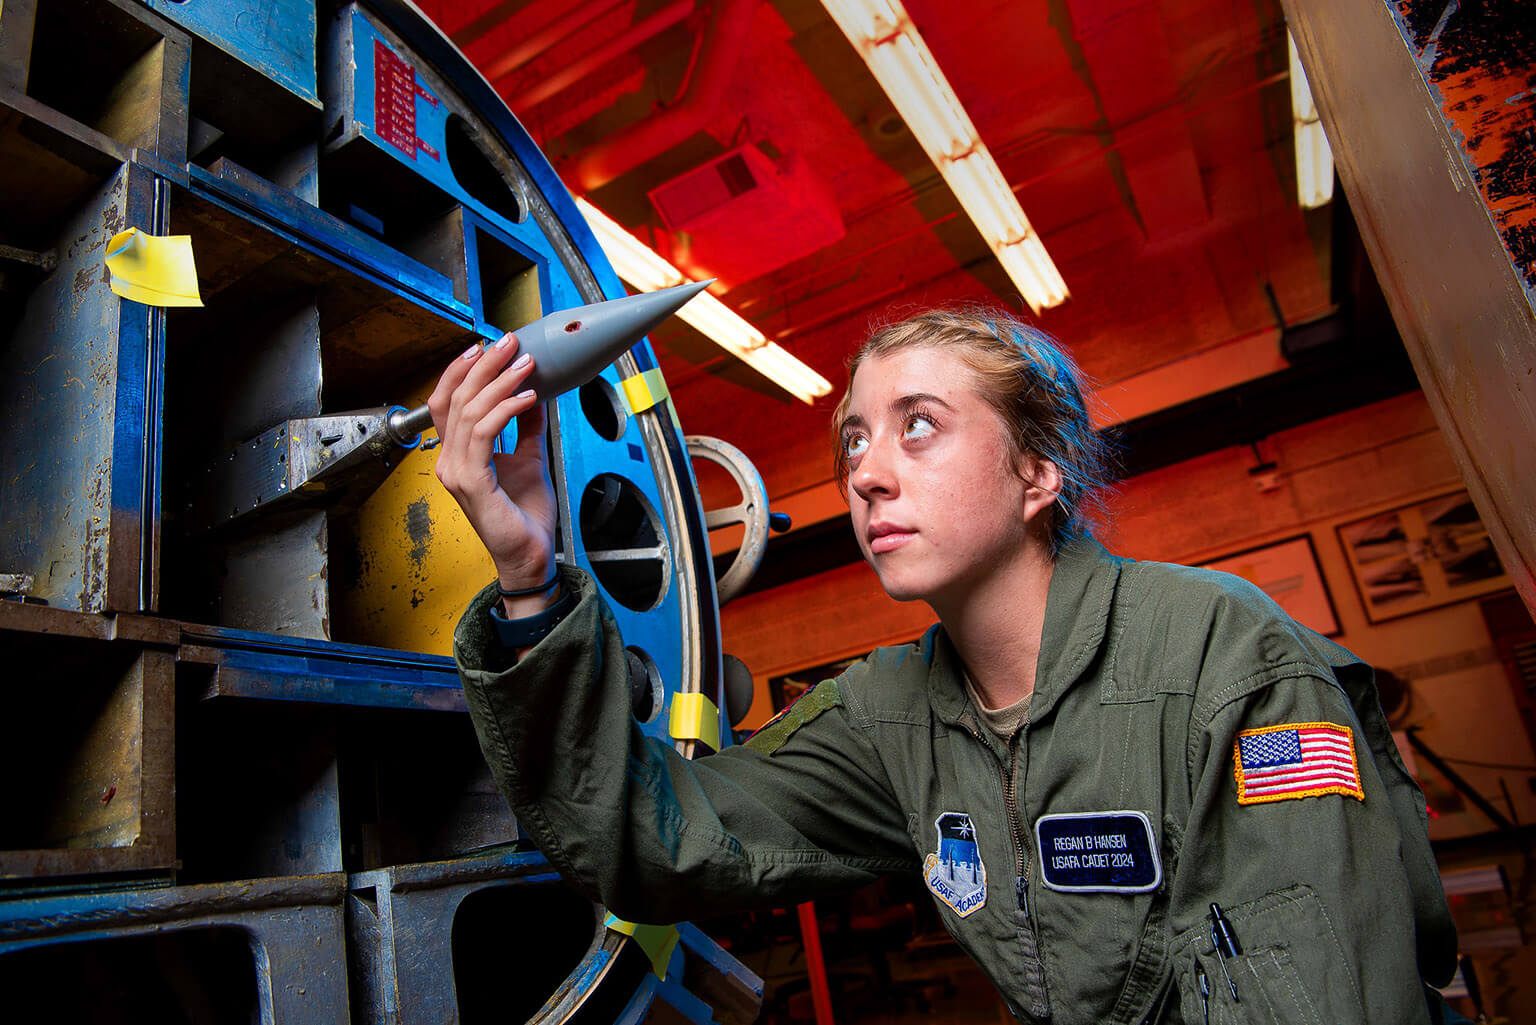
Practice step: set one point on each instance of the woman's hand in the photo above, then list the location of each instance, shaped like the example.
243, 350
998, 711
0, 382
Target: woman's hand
508, 498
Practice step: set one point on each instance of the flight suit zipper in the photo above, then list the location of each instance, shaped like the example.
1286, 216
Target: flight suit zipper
1021, 859
1008, 778
1034, 969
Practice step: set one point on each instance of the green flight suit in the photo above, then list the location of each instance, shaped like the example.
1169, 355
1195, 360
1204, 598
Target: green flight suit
1147, 674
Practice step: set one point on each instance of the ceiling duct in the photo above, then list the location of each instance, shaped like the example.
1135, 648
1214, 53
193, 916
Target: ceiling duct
743, 215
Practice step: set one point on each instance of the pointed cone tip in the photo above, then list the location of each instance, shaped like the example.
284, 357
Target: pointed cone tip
690, 289
664, 302
622, 322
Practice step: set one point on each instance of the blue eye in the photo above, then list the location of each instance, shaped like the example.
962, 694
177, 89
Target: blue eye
918, 427
854, 445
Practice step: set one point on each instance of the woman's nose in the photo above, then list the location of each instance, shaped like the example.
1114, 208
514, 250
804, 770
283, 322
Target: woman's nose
873, 476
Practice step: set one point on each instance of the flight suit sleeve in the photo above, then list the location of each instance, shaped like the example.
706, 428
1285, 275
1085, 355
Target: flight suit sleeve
1311, 883
653, 836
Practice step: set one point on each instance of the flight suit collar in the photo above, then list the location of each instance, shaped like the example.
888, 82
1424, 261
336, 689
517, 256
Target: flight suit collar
1076, 619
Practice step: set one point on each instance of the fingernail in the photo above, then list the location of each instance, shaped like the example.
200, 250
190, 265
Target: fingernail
504, 341
521, 361
472, 352
525, 394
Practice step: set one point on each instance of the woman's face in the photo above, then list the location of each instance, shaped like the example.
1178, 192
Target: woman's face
936, 502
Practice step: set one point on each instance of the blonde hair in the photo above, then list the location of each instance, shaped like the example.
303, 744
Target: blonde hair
1035, 388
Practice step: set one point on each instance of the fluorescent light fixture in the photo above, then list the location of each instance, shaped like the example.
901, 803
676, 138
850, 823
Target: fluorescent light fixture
885, 37
643, 268
1314, 158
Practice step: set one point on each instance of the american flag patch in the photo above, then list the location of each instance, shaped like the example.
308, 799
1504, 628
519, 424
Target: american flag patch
1299, 759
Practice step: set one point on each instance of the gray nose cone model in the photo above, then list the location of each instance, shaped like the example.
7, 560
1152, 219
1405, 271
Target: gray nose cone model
340, 458
570, 347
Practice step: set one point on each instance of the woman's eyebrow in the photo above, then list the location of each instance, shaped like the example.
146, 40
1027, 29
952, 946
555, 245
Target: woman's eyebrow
902, 406
917, 400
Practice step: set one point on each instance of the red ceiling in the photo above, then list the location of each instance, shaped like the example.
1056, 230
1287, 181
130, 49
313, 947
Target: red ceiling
1149, 143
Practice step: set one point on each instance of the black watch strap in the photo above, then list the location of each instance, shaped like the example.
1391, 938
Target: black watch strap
528, 631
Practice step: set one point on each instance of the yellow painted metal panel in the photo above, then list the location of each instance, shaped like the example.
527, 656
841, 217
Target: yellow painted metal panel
415, 560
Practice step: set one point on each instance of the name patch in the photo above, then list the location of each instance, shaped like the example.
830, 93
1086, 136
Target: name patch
955, 874
1098, 852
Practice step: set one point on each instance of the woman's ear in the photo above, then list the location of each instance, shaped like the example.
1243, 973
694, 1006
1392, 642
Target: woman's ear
1042, 483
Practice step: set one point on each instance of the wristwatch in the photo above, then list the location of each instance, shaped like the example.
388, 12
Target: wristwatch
528, 631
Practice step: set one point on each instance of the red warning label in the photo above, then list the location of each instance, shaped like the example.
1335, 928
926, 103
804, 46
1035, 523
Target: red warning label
394, 99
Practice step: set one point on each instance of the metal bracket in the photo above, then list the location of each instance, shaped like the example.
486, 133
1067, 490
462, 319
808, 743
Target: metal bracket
317, 458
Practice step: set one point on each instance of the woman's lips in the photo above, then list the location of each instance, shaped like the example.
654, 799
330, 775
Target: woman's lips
891, 541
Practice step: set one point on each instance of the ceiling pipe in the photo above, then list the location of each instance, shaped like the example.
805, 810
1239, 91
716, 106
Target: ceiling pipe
574, 72
555, 31
720, 50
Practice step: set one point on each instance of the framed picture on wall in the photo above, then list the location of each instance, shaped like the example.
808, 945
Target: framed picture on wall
1288, 572
1421, 556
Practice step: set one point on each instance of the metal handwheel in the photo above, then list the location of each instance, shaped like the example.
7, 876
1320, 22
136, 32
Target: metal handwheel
751, 512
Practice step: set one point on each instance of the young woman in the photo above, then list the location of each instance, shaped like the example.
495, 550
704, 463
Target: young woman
1137, 792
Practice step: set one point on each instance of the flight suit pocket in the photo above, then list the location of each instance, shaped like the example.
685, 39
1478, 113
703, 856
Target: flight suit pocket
1291, 969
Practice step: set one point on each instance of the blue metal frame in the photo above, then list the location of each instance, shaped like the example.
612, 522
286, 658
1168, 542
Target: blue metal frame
137, 373
280, 44
334, 239
518, 241
123, 447
657, 630
277, 668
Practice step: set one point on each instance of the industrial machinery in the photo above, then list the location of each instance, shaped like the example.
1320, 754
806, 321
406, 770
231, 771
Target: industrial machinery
240, 783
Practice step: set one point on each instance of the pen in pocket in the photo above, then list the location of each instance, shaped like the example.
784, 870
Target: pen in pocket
1225, 942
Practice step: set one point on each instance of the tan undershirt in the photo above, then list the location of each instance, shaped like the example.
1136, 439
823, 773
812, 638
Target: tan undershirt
1004, 722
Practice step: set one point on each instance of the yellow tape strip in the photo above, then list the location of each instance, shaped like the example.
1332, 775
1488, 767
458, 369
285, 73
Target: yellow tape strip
156, 270
695, 717
644, 390
658, 941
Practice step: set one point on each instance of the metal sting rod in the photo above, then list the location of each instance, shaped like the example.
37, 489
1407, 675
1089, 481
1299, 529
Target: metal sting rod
570, 347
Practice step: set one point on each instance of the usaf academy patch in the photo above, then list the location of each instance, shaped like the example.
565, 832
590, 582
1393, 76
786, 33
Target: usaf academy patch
955, 874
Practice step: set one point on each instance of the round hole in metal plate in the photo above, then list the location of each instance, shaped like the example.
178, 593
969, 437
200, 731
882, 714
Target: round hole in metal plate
603, 408
647, 693
625, 542
474, 170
